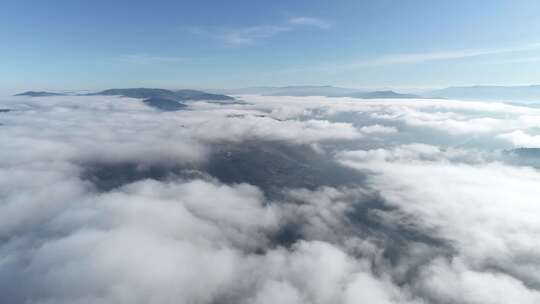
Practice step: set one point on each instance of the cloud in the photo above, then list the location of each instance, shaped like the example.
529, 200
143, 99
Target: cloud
450, 117
455, 282
243, 36
411, 58
373, 129
249, 35
415, 58
524, 59
309, 21
130, 131
521, 139
490, 227
413, 201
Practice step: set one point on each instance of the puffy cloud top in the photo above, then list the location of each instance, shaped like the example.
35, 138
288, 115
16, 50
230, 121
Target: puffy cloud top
280, 199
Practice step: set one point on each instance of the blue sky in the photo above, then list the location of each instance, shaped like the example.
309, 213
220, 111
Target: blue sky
221, 44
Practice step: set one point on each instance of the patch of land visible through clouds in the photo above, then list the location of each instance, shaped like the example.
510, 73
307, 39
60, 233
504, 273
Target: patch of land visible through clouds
269, 165
270, 199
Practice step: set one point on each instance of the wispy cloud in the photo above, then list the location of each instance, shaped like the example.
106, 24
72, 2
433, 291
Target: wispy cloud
440, 55
146, 59
248, 35
241, 36
309, 21
415, 58
515, 60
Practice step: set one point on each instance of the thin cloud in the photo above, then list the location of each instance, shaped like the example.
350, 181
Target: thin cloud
309, 21
242, 36
249, 35
415, 58
515, 60
441, 55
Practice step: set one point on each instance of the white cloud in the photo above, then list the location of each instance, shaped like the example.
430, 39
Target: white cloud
409, 58
521, 139
452, 117
127, 130
455, 282
428, 222
242, 36
485, 210
309, 21
373, 129
249, 35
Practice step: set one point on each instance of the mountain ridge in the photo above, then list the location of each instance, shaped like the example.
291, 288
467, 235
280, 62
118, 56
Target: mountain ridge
324, 90
39, 94
162, 99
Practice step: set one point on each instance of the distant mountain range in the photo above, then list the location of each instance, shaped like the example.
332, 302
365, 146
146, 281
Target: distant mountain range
39, 94
486, 93
329, 91
174, 99
163, 99
163, 96
179, 95
166, 100
381, 94
290, 91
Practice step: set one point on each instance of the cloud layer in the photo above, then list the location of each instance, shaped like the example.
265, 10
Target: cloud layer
280, 199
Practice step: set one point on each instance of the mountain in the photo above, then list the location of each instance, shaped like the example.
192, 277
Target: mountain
172, 100
39, 94
164, 104
200, 95
381, 94
329, 91
501, 93
137, 93
291, 91
162, 99
180, 95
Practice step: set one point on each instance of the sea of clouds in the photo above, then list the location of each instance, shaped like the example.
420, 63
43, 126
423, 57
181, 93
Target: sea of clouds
445, 207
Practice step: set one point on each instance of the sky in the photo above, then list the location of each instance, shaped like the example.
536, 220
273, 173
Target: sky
77, 45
